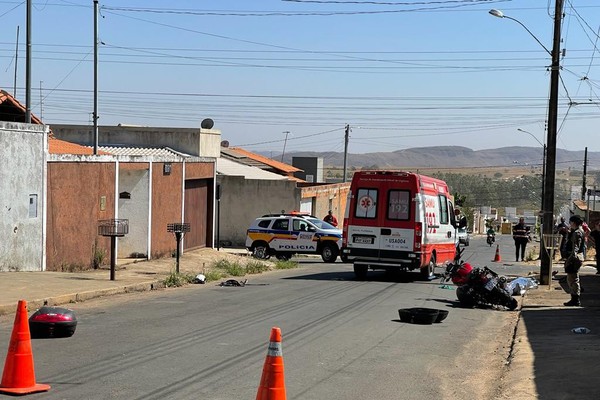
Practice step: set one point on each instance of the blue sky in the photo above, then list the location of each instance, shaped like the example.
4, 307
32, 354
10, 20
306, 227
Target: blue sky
416, 74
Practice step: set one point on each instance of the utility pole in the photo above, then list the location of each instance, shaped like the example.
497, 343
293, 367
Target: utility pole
28, 66
41, 102
346, 139
284, 144
583, 187
95, 115
548, 217
16, 63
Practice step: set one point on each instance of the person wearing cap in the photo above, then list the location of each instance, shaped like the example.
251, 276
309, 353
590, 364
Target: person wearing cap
521, 237
330, 218
574, 259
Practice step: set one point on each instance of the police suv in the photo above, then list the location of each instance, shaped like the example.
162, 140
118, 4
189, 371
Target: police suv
283, 235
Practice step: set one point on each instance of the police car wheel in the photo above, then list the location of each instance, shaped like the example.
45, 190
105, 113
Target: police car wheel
329, 253
261, 251
283, 257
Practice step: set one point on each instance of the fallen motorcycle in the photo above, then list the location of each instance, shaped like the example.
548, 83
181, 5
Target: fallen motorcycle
478, 286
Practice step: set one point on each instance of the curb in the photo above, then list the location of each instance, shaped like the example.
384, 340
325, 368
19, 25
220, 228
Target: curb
83, 296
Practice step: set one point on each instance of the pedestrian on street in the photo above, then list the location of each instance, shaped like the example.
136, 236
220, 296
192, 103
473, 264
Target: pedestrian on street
586, 233
521, 237
330, 218
574, 259
563, 230
595, 235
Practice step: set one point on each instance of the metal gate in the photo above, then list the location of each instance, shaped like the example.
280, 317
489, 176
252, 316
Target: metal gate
196, 213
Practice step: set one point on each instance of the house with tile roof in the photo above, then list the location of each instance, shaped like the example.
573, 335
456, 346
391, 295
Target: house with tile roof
55, 192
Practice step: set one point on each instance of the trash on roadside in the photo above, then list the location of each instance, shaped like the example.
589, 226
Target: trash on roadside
233, 282
446, 287
200, 278
519, 286
581, 330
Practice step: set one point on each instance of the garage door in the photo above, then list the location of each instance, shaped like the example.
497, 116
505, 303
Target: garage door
197, 213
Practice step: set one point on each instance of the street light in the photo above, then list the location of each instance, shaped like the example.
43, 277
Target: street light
543, 160
548, 199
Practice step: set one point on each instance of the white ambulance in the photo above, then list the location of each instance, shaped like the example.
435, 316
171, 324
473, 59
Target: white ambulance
398, 220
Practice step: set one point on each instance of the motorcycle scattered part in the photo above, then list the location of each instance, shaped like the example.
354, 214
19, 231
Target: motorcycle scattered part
52, 322
442, 314
425, 316
233, 282
405, 314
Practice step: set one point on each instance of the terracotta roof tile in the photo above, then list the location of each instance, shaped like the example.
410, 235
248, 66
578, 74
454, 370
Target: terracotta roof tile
7, 97
266, 160
57, 146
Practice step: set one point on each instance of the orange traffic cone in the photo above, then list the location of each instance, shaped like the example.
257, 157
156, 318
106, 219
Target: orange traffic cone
497, 256
18, 376
272, 382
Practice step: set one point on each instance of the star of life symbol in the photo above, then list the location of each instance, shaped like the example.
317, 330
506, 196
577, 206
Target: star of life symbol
365, 202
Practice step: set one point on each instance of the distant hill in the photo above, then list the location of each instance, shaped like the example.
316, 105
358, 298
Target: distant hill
451, 157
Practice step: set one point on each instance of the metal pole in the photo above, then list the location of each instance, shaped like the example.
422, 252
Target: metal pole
178, 237
284, 144
346, 139
28, 66
113, 256
16, 63
583, 188
95, 115
548, 218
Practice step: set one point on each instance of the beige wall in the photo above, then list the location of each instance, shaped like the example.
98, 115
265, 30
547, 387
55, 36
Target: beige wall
192, 141
326, 197
242, 200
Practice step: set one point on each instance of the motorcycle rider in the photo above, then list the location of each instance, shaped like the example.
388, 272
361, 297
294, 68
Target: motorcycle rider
491, 233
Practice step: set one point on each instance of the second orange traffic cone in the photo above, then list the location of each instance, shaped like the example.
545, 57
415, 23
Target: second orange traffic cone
497, 256
272, 381
19, 375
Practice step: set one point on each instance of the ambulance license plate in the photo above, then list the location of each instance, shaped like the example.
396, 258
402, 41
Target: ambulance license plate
363, 239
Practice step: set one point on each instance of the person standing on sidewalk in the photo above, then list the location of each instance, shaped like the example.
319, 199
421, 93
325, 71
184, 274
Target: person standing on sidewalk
521, 236
574, 259
595, 235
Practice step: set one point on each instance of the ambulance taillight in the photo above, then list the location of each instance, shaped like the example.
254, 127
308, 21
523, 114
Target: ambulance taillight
418, 235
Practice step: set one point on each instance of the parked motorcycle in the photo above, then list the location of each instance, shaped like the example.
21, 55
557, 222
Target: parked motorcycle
478, 286
491, 239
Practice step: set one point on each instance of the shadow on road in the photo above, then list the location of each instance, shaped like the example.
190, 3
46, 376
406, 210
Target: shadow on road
372, 276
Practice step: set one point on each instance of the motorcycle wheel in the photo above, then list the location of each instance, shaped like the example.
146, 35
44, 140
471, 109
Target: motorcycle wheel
465, 297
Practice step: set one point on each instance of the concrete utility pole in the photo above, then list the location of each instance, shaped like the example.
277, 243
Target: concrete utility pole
284, 144
95, 116
548, 217
346, 139
583, 187
16, 64
28, 66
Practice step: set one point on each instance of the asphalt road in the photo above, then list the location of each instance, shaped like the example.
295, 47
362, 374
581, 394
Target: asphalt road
341, 340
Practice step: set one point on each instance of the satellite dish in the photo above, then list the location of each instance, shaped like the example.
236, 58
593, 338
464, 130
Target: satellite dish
207, 123
225, 143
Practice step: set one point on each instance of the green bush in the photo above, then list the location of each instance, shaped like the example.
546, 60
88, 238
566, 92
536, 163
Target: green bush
175, 279
280, 264
256, 267
214, 275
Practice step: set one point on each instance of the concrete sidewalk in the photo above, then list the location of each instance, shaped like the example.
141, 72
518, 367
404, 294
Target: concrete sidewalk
549, 361
58, 288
